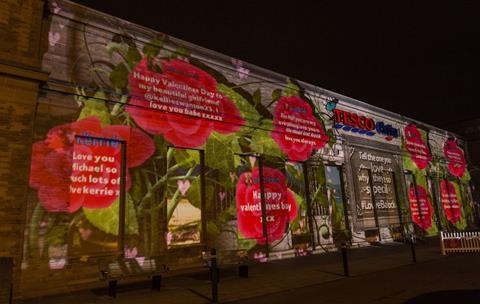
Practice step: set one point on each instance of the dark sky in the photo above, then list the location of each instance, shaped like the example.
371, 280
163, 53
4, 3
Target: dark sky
417, 58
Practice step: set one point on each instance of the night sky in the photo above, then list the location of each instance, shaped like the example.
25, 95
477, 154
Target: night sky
416, 58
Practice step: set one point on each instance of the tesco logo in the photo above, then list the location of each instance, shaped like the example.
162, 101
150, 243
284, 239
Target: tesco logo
363, 125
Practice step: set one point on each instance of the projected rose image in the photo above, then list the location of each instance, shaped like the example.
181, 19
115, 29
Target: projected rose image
421, 207
450, 202
181, 103
78, 164
296, 130
455, 157
417, 147
280, 205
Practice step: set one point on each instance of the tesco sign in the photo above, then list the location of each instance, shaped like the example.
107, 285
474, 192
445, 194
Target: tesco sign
360, 124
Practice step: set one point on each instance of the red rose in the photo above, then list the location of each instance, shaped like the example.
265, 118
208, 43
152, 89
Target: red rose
455, 158
181, 103
67, 170
296, 130
184, 72
417, 147
421, 215
450, 203
280, 205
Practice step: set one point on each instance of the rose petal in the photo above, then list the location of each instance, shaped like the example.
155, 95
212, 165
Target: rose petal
189, 74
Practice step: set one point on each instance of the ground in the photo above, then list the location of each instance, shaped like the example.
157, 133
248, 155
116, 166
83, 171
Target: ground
380, 274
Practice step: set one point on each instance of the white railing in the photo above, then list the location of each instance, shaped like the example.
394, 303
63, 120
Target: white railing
459, 242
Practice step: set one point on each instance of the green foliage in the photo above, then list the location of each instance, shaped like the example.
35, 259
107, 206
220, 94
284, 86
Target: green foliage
113, 47
183, 52
119, 76
421, 180
301, 205
434, 229
320, 194
331, 137
257, 96
227, 215
138, 188
295, 172
160, 145
464, 208
96, 106
107, 219
180, 52
220, 150
263, 143
291, 89
276, 94
133, 56
466, 176
186, 158
247, 111
246, 244
212, 229
410, 165
56, 235
193, 194
152, 48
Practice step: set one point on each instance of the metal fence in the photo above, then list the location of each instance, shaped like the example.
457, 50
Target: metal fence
459, 242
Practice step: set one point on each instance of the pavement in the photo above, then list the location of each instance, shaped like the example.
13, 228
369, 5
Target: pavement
378, 274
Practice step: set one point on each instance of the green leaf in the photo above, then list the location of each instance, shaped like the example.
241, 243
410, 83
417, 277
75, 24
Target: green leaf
276, 94
227, 215
116, 47
219, 151
291, 89
246, 244
331, 138
212, 229
173, 204
263, 143
466, 176
152, 48
56, 235
133, 56
138, 189
96, 106
194, 195
237, 161
247, 111
160, 145
295, 172
186, 158
462, 223
320, 195
408, 163
300, 201
119, 76
421, 179
257, 96
434, 229
107, 219
182, 52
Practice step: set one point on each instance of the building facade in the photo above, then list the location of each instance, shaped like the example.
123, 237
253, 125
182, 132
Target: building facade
141, 146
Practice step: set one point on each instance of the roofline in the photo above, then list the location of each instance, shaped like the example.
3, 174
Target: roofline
224, 61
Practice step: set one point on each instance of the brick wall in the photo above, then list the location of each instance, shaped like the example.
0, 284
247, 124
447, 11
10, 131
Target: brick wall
21, 28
